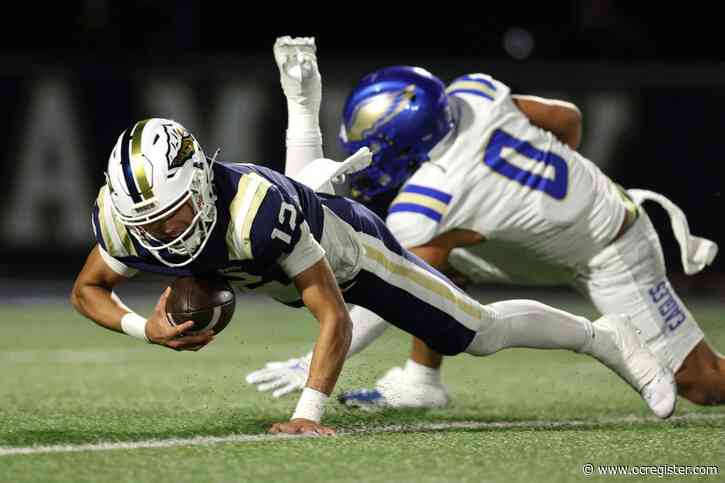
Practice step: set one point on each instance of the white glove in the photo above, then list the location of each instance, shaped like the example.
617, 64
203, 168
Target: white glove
298, 71
284, 377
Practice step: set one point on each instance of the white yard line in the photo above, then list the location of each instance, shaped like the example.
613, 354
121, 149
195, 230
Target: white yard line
418, 427
71, 356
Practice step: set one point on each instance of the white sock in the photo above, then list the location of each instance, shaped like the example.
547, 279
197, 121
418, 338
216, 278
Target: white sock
527, 323
601, 341
304, 139
423, 374
366, 327
303, 114
301, 152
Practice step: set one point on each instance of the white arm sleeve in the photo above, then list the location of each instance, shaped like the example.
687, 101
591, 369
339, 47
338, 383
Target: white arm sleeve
366, 327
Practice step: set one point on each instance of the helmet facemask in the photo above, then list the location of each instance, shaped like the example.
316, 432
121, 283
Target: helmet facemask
391, 167
189, 244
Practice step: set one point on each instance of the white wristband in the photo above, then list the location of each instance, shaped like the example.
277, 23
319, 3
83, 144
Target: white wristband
311, 405
134, 325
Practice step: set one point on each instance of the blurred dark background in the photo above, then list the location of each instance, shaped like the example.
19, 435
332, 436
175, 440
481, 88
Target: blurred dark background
75, 74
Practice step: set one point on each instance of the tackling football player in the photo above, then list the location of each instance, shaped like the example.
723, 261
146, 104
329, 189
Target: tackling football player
487, 184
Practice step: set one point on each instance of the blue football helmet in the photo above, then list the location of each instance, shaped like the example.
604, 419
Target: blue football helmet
400, 113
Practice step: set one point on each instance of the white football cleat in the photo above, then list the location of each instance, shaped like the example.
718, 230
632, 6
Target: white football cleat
396, 390
618, 346
297, 64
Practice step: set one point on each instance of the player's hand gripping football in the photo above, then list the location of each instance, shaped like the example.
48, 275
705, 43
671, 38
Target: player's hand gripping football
302, 426
160, 331
299, 75
283, 377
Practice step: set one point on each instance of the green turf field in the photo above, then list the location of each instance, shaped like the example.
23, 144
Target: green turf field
520, 415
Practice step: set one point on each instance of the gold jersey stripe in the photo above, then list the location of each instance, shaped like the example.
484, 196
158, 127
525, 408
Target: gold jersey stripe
422, 200
251, 191
247, 228
233, 236
472, 86
115, 234
102, 221
430, 283
122, 231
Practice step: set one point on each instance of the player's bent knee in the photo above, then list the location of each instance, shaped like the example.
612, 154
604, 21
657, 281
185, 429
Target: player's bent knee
485, 344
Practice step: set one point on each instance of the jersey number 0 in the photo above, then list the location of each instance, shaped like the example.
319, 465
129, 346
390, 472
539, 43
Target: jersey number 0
494, 158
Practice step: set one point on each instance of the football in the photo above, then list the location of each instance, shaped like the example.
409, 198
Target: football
208, 301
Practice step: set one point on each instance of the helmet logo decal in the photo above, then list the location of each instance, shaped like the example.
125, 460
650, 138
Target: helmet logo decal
377, 111
180, 148
185, 152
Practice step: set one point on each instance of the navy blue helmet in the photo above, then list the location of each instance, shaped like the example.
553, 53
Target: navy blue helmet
400, 113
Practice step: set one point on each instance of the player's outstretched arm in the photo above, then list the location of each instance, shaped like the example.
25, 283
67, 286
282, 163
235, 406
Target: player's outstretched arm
562, 118
321, 295
92, 295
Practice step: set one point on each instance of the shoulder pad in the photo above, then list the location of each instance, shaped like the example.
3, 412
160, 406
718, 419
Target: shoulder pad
110, 233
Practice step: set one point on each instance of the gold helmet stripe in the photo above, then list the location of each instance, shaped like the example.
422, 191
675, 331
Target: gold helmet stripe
138, 163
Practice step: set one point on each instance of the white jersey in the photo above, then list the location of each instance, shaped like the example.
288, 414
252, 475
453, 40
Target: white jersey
499, 175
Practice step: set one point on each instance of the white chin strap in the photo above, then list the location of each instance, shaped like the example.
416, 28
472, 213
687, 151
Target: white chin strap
696, 252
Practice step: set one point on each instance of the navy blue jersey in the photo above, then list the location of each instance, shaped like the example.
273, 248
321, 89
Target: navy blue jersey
270, 228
